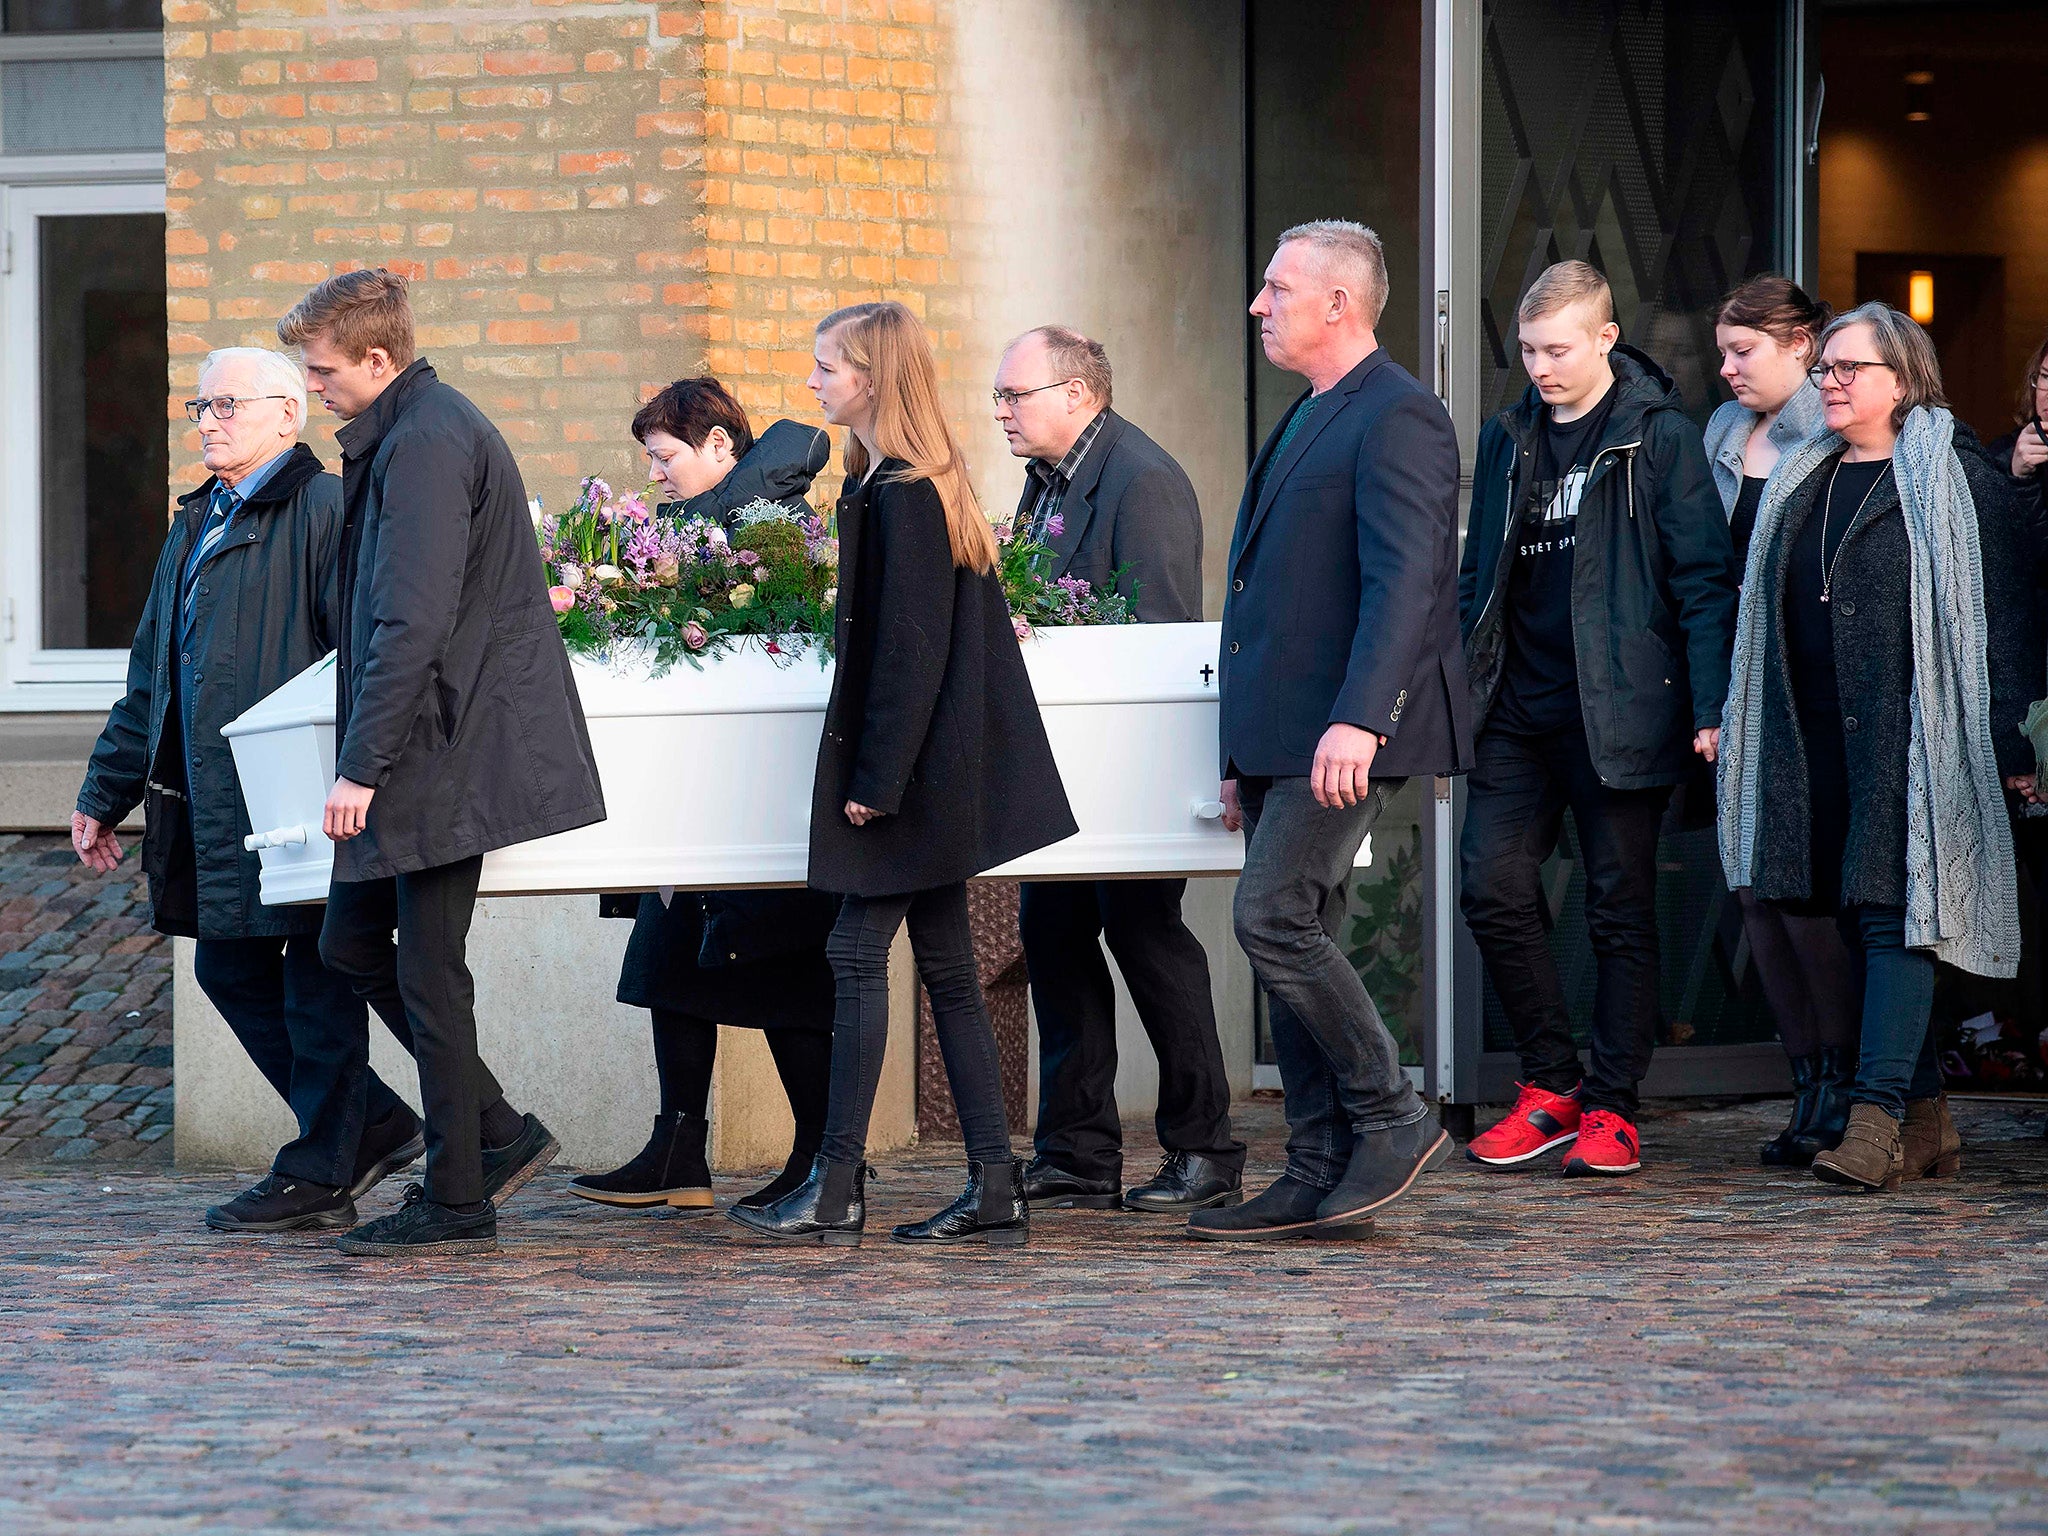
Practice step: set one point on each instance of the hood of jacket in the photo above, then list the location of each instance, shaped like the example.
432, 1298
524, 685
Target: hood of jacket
1640, 388
780, 466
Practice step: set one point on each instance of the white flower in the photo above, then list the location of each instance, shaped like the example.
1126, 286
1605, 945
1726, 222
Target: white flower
762, 510
606, 573
742, 595
533, 511
831, 596
572, 575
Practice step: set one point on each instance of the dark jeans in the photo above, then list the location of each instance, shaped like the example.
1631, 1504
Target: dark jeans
1340, 1069
1520, 788
1064, 924
1807, 975
308, 1034
686, 1050
944, 950
425, 979
1897, 1061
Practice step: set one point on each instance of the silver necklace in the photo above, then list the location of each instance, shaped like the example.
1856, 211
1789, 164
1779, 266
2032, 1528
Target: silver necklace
1827, 566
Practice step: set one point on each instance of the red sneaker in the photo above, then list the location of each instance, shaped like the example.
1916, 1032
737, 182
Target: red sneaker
1539, 1121
1608, 1144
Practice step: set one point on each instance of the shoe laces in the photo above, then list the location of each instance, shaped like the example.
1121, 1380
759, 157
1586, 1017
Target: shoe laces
1173, 1163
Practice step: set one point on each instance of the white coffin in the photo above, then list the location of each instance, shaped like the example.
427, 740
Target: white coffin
707, 774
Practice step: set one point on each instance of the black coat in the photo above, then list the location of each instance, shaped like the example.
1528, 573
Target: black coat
1654, 579
1131, 507
1343, 587
454, 694
931, 717
266, 609
1870, 595
754, 959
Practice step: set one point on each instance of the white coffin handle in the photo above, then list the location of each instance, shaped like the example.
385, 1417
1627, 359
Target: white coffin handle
1208, 810
277, 837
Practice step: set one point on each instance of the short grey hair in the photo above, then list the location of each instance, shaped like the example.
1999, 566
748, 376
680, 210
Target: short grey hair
1074, 356
1902, 347
1353, 255
276, 374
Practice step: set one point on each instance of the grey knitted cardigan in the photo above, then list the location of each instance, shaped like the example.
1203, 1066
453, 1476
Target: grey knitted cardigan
1728, 432
1962, 899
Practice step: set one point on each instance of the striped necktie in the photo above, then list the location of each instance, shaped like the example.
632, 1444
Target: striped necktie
218, 517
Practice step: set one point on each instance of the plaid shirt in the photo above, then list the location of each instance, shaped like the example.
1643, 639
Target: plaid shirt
1052, 480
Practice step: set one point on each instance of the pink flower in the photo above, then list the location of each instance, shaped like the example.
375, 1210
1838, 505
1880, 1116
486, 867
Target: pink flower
747, 557
1022, 628
633, 507
561, 599
772, 648
1055, 526
694, 636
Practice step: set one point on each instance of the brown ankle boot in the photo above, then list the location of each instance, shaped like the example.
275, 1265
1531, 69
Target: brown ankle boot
1869, 1156
1929, 1143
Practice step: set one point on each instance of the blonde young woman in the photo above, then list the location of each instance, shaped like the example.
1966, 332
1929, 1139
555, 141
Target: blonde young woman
934, 767
1768, 332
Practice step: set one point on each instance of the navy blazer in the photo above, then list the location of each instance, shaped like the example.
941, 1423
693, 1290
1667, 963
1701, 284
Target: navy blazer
1343, 587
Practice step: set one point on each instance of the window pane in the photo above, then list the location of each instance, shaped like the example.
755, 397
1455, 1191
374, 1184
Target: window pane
106, 452
83, 15
58, 106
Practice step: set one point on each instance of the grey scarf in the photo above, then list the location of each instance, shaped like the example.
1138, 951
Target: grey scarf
1961, 895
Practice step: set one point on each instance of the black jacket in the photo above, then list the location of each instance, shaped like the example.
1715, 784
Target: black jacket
780, 467
1654, 579
1342, 604
1131, 506
454, 694
266, 609
931, 717
1870, 595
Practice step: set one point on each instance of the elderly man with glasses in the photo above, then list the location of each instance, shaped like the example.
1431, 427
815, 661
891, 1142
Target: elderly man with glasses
244, 599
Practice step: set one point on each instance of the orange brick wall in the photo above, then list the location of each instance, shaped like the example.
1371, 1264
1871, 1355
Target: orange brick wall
591, 200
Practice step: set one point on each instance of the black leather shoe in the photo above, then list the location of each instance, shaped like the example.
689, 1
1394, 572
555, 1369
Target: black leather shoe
1186, 1182
830, 1206
507, 1168
421, 1226
794, 1172
1384, 1167
278, 1204
1285, 1210
669, 1170
396, 1142
991, 1209
1833, 1078
1048, 1187
1784, 1149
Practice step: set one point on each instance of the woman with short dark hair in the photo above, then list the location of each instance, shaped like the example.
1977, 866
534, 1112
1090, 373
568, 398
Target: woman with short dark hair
748, 959
1768, 332
1884, 657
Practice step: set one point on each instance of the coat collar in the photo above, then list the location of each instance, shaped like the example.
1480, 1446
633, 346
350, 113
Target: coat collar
300, 465
1077, 505
1328, 407
360, 437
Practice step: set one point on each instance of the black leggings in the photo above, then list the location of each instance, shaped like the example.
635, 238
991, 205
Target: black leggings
944, 949
686, 1047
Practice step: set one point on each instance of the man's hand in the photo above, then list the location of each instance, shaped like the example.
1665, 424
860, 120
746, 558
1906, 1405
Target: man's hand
860, 815
1233, 809
1343, 761
98, 847
1708, 744
2029, 453
348, 809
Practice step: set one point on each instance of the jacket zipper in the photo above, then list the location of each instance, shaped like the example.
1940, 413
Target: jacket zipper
1507, 536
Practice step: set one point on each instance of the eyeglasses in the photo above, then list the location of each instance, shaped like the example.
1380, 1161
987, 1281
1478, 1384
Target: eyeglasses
1844, 372
1010, 397
223, 406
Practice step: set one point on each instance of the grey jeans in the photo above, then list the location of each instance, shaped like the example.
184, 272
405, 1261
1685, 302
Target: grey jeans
1339, 1067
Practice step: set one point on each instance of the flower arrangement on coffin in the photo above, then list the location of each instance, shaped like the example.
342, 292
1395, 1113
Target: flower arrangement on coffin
626, 578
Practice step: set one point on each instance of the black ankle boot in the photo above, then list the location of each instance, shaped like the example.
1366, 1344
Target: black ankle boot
1834, 1077
669, 1170
1785, 1149
990, 1210
794, 1171
830, 1206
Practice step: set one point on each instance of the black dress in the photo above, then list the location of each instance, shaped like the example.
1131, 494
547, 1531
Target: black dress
1742, 521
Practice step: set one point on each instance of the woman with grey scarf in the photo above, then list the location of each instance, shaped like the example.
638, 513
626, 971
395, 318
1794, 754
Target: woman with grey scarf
1768, 332
1884, 658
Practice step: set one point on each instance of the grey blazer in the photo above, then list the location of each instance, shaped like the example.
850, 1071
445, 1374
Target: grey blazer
1132, 505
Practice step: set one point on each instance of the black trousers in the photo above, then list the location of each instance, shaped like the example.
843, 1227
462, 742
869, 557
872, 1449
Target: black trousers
1520, 788
307, 1031
425, 978
943, 946
1065, 924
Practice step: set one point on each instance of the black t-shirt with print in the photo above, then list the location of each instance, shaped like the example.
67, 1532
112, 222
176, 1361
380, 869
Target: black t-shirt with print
1540, 688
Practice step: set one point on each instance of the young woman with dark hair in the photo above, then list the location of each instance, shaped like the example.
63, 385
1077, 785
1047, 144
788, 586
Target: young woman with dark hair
934, 766
749, 959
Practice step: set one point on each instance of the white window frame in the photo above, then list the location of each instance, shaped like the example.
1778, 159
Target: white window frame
32, 676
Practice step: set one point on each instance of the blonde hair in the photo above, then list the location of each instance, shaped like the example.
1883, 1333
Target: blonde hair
885, 342
1350, 253
1563, 285
355, 311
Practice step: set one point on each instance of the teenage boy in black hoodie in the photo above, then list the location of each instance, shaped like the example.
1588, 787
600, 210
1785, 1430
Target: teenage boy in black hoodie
1598, 593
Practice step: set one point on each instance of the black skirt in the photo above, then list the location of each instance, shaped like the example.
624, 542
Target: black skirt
675, 961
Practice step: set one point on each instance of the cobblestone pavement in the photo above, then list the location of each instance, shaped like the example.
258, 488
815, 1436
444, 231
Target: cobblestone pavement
85, 1010
1707, 1347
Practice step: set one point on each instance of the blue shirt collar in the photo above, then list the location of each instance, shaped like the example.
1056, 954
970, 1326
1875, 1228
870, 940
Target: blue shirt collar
253, 481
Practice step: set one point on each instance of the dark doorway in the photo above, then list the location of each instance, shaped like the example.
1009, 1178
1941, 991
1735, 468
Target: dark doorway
1961, 301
